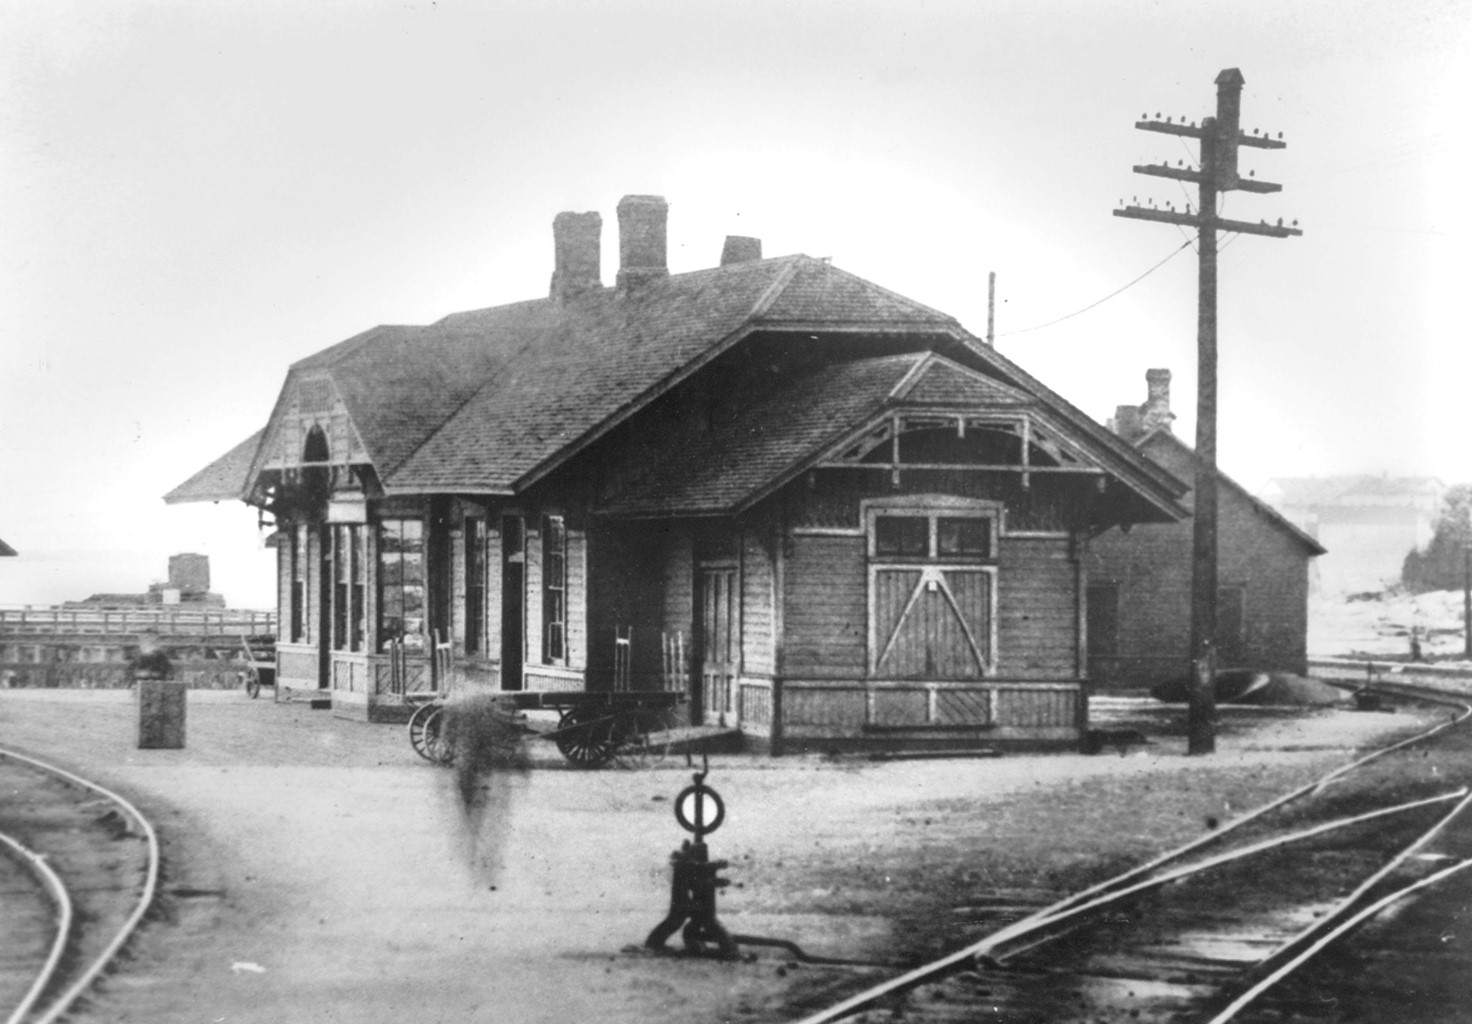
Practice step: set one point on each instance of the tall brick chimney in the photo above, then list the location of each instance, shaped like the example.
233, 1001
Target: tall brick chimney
740, 249
577, 240
1155, 414
641, 240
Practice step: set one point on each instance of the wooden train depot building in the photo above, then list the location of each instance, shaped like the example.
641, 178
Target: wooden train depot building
828, 512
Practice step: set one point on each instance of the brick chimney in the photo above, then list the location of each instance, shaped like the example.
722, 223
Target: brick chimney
1133, 422
1126, 423
1155, 414
740, 249
577, 240
641, 240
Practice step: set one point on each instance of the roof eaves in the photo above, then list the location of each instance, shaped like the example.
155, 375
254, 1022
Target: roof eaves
234, 464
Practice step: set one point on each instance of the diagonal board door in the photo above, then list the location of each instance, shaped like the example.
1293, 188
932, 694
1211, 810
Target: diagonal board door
931, 622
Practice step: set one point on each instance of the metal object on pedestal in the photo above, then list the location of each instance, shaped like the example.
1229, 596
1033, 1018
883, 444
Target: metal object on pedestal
694, 878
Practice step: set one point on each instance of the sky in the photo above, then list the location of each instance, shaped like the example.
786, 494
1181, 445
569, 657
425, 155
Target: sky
193, 195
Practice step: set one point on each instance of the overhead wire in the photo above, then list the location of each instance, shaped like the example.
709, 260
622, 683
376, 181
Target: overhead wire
1174, 253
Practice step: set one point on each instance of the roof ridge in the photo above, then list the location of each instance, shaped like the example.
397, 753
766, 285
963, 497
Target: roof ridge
1225, 477
778, 286
890, 293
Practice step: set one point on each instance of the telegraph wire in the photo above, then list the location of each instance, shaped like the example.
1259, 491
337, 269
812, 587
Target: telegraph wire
1174, 253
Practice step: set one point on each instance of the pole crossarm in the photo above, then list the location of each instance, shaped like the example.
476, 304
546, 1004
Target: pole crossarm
1260, 141
1169, 128
1195, 220
1194, 176
1262, 227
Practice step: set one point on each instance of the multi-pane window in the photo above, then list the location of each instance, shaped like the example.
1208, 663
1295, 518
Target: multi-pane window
347, 588
475, 585
342, 563
401, 582
298, 556
902, 536
360, 588
554, 590
942, 537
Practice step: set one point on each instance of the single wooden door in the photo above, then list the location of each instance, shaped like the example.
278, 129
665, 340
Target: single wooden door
717, 646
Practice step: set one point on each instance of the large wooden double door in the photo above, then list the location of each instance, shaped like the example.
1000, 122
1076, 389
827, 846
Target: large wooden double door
932, 622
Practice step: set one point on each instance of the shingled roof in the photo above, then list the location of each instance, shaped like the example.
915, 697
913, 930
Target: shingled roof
225, 479
1164, 438
489, 401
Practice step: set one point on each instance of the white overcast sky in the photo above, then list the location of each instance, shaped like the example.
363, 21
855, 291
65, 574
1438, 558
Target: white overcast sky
193, 195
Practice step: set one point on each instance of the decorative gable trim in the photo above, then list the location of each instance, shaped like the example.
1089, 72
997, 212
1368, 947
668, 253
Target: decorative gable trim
312, 413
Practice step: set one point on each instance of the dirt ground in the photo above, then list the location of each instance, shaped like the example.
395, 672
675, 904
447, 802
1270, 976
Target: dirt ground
318, 871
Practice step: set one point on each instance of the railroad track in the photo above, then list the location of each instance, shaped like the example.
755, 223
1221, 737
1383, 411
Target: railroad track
79, 868
1208, 931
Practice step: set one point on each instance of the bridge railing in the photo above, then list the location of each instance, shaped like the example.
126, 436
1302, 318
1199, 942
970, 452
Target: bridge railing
171, 620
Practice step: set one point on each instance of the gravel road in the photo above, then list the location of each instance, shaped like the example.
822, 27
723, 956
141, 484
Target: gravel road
318, 871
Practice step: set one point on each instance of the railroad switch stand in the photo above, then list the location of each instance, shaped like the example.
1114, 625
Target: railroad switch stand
694, 878
693, 904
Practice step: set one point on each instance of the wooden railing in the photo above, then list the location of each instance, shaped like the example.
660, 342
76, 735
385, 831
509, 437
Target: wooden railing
170, 620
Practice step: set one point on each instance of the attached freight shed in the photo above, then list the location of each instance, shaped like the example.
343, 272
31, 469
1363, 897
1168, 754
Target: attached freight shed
829, 511
1140, 580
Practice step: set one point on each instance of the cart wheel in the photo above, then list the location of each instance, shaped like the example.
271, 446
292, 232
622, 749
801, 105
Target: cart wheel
416, 730
436, 744
585, 745
636, 748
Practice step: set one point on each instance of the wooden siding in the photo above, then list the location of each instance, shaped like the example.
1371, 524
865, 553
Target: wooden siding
678, 599
532, 593
283, 581
758, 583
824, 713
296, 666
1037, 609
826, 608
1050, 503
458, 575
493, 590
577, 600
754, 709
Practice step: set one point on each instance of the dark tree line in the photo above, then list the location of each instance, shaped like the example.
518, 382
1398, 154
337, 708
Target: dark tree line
1441, 564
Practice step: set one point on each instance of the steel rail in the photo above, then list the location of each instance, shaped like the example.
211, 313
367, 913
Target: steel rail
65, 914
150, 884
981, 949
1242, 853
1353, 922
1343, 906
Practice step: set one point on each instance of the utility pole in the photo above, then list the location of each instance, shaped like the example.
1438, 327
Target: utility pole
1220, 137
991, 309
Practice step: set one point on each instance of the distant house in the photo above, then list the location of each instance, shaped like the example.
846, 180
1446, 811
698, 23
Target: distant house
1139, 595
826, 511
1368, 523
